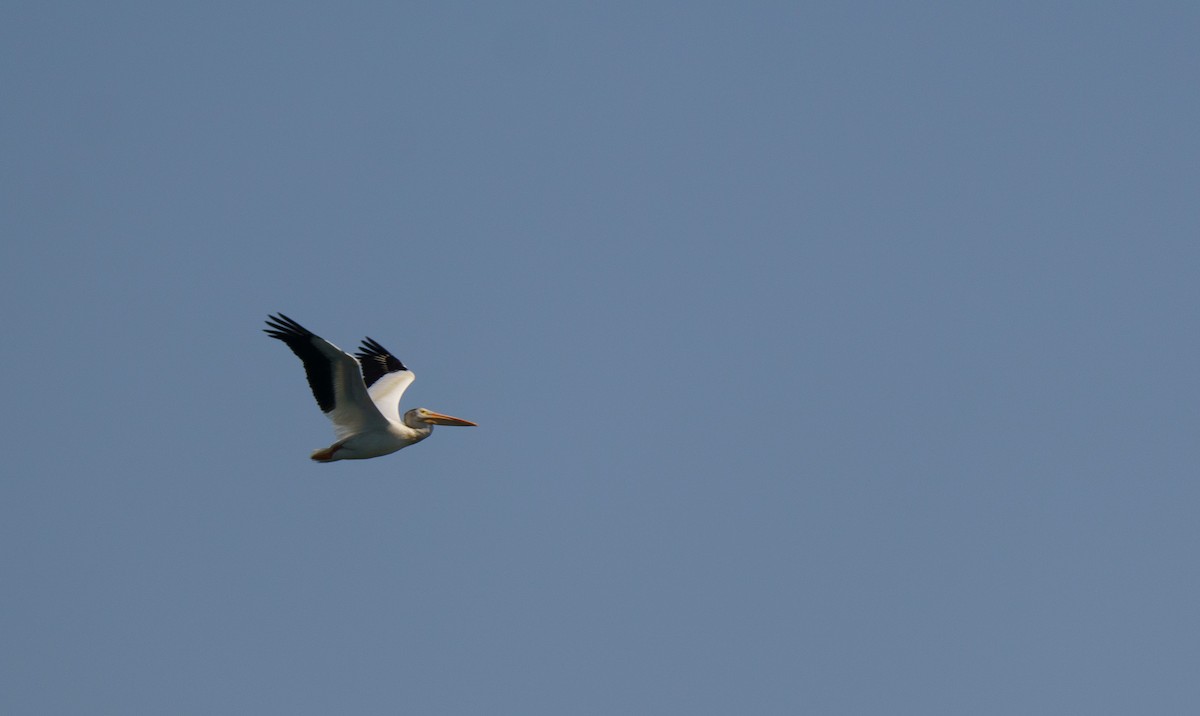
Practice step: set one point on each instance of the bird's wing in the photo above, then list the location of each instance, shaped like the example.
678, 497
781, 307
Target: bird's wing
334, 376
385, 376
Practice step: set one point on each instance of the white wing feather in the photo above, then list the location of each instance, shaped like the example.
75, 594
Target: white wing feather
386, 392
353, 411
335, 377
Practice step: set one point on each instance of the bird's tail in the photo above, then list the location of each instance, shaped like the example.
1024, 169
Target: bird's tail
326, 454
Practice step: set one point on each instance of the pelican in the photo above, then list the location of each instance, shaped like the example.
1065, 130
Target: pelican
359, 393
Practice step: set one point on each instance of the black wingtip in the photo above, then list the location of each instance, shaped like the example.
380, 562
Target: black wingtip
303, 343
370, 349
376, 361
284, 328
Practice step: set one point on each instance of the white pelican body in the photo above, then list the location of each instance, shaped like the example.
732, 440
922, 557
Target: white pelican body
359, 393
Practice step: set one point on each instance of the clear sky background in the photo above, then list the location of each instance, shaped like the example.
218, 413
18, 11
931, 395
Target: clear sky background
829, 358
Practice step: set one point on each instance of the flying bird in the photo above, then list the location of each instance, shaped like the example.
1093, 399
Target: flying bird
359, 393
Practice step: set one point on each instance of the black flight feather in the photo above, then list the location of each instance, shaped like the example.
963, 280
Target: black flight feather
317, 367
376, 361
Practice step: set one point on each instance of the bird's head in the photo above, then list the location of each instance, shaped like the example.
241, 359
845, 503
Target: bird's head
424, 416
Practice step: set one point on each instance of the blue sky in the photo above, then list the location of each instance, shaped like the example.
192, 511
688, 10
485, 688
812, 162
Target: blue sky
828, 358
